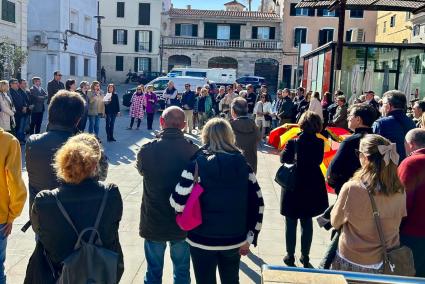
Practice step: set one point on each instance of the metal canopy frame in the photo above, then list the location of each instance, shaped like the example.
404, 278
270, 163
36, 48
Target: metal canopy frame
414, 6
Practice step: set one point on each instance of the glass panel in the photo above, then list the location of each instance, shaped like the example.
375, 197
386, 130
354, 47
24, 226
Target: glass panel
143, 64
320, 70
263, 33
414, 58
314, 74
186, 30
223, 32
380, 62
120, 36
144, 41
352, 56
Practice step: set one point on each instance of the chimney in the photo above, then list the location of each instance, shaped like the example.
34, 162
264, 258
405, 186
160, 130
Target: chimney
189, 7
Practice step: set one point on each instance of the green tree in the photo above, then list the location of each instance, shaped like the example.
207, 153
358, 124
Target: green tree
12, 58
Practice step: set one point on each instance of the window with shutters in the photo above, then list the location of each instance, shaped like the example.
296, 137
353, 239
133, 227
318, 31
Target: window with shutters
120, 9
8, 11
86, 67
119, 63
73, 65
392, 21
73, 23
327, 13
144, 41
325, 36
120, 37
263, 33
186, 30
144, 14
143, 64
300, 35
300, 11
357, 14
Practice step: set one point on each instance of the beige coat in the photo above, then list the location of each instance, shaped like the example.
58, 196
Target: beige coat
7, 112
96, 104
359, 241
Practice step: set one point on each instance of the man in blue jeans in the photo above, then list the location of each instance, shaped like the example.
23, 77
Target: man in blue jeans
12, 191
161, 163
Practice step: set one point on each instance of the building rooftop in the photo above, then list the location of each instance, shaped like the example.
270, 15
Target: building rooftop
194, 13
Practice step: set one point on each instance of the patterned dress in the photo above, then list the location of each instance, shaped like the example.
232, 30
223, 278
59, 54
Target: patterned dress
137, 108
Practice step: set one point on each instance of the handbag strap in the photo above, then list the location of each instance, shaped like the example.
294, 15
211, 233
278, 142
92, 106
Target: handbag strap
378, 224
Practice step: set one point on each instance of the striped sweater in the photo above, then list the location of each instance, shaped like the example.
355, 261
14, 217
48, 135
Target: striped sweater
232, 204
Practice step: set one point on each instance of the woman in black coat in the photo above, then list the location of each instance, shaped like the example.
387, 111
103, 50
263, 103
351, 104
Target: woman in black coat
112, 110
309, 199
76, 164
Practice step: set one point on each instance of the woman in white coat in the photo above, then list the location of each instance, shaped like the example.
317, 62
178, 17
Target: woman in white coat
263, 114
7, 111
315, 105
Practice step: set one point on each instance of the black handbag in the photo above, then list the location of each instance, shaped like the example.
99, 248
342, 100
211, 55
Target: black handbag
286, 174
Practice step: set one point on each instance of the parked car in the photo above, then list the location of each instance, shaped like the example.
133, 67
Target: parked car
217, 75
160, 84
142, 78
253, 80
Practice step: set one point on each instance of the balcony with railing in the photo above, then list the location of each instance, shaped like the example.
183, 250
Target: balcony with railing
168, 42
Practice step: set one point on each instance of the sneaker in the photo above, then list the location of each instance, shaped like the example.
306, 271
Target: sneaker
289, 260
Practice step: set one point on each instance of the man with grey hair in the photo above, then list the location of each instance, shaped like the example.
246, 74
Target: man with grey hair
411, 173
82, 90
246, 131
394, 124
161, 163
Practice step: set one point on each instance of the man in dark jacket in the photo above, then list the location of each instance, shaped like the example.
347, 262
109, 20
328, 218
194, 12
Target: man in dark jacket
21, 106
246, 131
370, 99
340, 117
161, 163
54, 85
24, 93
332, 108
82, 90
65, 111
394, 124
37, 98
410, 171
251, 98
188, 103
286, 111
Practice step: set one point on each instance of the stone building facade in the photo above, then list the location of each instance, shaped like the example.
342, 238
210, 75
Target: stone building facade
13, 27
131, 36
250, 42
394, 27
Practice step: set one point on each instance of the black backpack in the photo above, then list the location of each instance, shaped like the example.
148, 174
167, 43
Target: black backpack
90, 262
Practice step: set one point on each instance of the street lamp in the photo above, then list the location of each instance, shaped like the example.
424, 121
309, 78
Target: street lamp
98, 45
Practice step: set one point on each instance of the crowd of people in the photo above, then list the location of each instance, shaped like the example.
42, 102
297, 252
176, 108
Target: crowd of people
383, 160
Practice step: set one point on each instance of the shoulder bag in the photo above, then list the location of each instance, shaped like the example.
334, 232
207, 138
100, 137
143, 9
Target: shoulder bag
397, 261
286, 174
191, 217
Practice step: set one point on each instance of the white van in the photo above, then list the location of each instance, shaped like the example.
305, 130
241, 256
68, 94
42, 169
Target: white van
160, 84
218, 75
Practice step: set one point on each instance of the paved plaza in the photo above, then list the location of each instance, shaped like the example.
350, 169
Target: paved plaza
122, 171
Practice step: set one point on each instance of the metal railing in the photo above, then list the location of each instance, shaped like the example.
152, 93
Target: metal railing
222, 43
353, 277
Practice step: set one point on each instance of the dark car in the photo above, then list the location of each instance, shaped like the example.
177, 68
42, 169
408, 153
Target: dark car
126, 98
253, 80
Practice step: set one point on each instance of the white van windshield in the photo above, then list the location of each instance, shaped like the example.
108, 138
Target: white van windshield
160, 85
196, 74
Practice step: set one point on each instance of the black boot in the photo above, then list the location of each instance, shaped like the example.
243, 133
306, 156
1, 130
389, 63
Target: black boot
305, 260
289, 260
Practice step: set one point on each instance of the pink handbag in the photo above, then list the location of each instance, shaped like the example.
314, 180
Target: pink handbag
191, 217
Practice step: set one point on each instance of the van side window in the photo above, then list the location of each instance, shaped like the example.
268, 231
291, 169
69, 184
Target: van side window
160, 85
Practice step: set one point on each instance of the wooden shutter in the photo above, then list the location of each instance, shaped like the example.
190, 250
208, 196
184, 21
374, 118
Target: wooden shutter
254, 33
136, 64
311, 12
210, 30
178, 29
235, 31
150, 41
114, 37
149, 64
120, 9
272, 33
320, 12
125, 36
293, 9
144, 14
195, 30
119, 63
136, 40
303, 35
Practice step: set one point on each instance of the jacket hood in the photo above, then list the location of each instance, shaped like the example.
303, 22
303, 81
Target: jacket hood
227, 166
243, 125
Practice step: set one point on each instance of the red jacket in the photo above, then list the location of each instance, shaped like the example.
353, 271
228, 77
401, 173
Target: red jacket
412, 175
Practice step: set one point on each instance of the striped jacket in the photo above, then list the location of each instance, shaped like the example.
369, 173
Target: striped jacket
232, 203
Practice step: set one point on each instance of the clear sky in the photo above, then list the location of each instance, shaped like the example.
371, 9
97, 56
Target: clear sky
210, 4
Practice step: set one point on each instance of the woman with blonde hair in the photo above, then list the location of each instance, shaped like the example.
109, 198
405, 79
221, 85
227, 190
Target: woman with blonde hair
59, 216
96, 107
137, 107
359, 247
232, 205
7, 111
